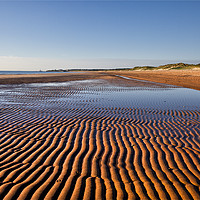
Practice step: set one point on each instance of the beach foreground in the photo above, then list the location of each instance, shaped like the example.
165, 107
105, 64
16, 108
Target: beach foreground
98, 136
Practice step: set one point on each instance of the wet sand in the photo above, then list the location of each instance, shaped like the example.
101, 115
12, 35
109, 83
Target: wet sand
49, 77
103, 138
183, 78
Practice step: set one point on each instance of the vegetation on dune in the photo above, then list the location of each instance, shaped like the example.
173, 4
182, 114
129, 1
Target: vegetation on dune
144, 68
180, 66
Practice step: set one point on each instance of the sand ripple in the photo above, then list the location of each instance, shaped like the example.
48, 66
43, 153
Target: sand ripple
71, 142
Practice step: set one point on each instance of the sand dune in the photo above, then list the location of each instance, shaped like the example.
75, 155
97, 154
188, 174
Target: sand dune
83, 140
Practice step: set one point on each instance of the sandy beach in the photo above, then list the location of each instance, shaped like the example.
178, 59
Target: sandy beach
183, 78
100, 135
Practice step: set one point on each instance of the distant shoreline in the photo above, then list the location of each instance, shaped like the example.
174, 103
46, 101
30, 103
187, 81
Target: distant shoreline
176, 66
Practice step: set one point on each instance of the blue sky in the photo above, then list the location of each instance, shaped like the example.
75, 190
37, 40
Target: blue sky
68, 34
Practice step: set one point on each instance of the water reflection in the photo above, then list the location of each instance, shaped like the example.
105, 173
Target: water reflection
101, 94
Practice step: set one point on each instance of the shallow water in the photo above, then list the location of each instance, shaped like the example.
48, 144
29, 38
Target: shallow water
102, 94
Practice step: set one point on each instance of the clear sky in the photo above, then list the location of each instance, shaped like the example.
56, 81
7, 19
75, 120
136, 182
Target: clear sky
75, 34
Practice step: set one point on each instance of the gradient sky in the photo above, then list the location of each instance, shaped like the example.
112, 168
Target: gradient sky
68, 34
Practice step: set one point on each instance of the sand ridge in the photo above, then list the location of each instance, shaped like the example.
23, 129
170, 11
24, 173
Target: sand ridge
72, 142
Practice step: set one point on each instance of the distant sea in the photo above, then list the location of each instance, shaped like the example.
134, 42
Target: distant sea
27, 72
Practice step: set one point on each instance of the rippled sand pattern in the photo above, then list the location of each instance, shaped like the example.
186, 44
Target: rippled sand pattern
82, 140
